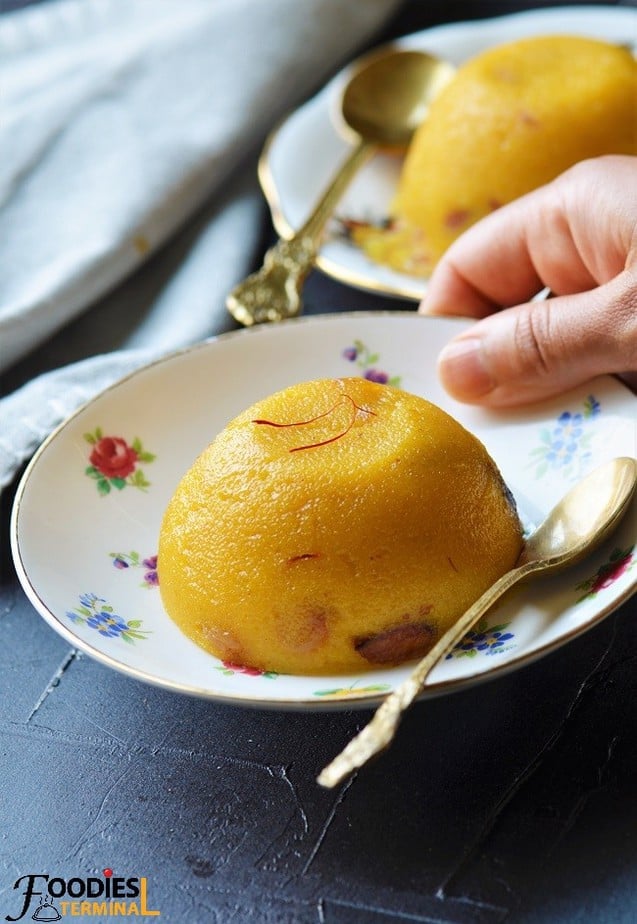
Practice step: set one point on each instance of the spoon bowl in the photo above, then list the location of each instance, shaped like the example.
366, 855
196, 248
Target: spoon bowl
584, 517
388, 96
382, 104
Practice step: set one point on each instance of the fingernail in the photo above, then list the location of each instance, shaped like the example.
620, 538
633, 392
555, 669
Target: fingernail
463, 369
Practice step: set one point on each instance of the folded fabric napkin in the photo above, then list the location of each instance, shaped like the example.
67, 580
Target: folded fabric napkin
126, 122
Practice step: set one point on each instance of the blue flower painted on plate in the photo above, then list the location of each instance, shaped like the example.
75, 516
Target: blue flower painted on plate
97, 614
107, 623
367, 362
566, 446
484, 639
87, 600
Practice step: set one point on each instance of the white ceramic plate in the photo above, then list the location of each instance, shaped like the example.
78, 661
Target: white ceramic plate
302, 154
88, 509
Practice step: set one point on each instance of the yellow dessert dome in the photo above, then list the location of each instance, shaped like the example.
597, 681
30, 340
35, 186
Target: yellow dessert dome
513, 118
337, 525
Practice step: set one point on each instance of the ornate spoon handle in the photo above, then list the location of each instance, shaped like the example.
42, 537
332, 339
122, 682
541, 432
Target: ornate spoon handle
273, 293
380, 731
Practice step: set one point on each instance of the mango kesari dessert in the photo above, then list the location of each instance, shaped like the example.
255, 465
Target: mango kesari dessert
512, 119
337, 525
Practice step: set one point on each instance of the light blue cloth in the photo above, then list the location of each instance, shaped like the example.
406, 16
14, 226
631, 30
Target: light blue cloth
127, 120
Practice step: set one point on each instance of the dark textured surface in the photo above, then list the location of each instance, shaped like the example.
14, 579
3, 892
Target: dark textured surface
512, 801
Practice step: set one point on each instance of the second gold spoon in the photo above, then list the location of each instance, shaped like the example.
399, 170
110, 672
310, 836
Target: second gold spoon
576, 525
382, 105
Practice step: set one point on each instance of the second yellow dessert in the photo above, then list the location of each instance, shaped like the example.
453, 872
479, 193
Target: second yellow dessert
513, 118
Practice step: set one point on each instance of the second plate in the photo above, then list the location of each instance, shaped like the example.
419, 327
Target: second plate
303, 153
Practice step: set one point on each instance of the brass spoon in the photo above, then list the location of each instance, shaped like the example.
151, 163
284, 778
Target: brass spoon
382, 105
575, 526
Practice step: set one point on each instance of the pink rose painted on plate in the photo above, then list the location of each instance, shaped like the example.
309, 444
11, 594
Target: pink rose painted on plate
114, 463
619, 562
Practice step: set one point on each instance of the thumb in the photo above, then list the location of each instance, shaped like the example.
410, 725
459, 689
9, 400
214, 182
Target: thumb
541, 348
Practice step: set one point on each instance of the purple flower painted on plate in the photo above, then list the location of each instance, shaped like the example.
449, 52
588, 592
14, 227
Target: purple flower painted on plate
367, 362
150, 575
151, 578
375, 375
124, 560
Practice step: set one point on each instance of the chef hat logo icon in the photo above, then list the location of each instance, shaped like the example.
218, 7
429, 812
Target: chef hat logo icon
46, 911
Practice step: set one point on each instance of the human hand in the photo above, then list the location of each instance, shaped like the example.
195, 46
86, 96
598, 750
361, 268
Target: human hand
577, 236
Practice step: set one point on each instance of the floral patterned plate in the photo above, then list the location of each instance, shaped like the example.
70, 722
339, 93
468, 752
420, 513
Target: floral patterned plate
87, 513
292, 184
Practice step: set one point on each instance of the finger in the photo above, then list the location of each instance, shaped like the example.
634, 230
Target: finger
508, 257
487, 268
536, 350
451, 293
